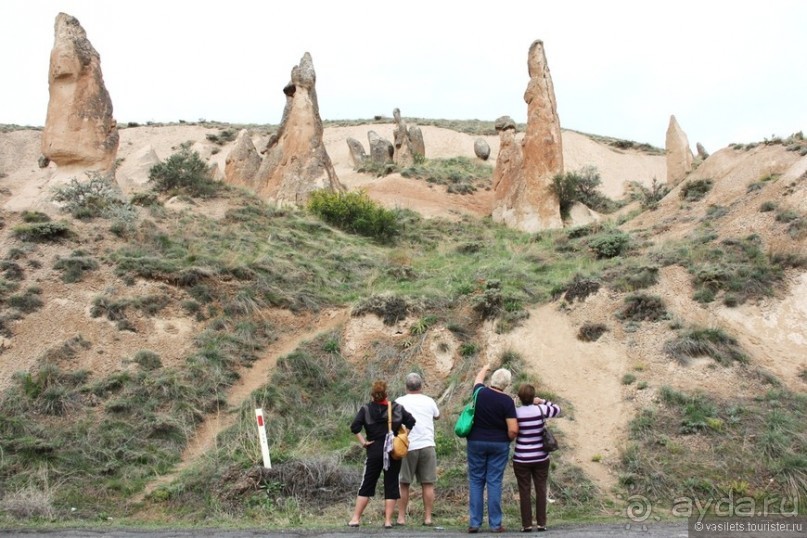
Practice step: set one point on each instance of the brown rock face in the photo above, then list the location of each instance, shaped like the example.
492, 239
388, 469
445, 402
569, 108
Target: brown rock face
296, 162
242, 162
679, 155
508, 175
404, 153
79, 129
525, 200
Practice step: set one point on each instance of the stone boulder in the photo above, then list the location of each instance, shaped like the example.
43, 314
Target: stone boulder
702, 153
526, 201
296, 162
243, 162
482, 149
357, 153
381, 150
79, 129
679, 155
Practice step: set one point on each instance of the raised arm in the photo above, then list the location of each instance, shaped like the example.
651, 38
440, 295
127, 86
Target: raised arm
480, 377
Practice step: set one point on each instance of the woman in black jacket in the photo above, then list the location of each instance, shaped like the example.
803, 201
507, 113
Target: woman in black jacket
372, 417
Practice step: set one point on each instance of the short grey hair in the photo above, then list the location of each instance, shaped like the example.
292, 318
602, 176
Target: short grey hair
501, 378
414, 382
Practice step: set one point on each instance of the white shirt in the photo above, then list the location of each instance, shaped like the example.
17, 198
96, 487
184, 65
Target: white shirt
424, 409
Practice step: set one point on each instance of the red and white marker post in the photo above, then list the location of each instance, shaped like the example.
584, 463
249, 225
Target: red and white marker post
267, 462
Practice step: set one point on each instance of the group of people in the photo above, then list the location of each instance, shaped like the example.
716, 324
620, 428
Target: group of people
497, 422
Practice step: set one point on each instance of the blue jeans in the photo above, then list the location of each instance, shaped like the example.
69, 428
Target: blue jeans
487, 461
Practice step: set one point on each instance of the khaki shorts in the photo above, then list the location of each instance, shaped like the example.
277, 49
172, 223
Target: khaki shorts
420, 463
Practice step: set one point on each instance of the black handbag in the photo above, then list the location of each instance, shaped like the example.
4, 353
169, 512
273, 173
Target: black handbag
550, 443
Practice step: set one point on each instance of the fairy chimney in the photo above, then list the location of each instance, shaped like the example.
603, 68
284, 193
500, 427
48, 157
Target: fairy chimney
357, 153
679, 155
525, 200
404, 153
296, 162
242, 162
508, 174
79, 129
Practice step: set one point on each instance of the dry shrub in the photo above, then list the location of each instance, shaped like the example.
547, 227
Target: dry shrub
580, 288
591, 332
390, 308
643, 307
29, 502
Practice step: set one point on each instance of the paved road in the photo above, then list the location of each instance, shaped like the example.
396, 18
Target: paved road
676, 529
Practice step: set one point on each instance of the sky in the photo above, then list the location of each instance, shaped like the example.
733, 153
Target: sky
730, 71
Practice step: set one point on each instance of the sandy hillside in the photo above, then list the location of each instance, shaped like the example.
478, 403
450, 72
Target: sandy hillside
587, 375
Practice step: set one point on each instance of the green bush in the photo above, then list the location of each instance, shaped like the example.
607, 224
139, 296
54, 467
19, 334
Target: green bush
354, 212
88, 199
692, 191
581, 186
767, 206
74, 267
183, 173
40, 232
609, 244
648, 198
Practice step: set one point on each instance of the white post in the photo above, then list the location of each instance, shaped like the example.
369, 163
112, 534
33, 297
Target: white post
267, 462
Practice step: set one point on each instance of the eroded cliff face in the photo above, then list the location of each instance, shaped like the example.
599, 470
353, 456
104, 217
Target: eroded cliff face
79, 130
524, 198
296, 162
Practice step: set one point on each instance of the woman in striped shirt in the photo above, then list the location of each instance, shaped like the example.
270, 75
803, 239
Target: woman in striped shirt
530, 460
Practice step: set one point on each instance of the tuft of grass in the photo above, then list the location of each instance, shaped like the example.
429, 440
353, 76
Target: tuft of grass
695, 190
74, 267
628, 379
706, 342
355, 212
591, 332
42, 232
642, 307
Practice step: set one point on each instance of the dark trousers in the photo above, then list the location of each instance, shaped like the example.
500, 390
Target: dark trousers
373, 467
528, 474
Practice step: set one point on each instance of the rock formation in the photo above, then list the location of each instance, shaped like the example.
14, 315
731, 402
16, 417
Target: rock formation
508, 174
702, 153
79, 129
357, 153
296, 162
679, 155
381, 150
525, 200
416, 139
243, 162
482, 148
404, 153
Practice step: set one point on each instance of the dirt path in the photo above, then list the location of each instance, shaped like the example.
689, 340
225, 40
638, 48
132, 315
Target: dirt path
252, 379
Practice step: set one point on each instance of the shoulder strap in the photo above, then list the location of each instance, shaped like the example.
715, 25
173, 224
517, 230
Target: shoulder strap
389, 416
476, 392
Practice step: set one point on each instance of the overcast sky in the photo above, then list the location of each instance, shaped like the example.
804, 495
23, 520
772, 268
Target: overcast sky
730, 71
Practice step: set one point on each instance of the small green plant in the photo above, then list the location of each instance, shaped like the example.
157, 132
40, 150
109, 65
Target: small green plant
628, 379
34, 216
75, 266
648, 197
767, 206
422, 325
468, 349
183, 172
596, 458
224, 136
581, 186
27, 302
695, 190
147, 359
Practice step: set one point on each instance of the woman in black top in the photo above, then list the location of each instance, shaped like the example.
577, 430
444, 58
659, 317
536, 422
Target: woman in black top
372, 417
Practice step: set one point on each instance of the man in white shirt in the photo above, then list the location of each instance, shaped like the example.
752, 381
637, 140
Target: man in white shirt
421, 460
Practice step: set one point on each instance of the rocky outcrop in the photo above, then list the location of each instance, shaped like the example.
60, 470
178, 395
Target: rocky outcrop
416, 139
525, 200
508, 174
482, 149
357, 153
404, 153
243, 162
381, 150
296, 162
702, 153
79, 129
679, 155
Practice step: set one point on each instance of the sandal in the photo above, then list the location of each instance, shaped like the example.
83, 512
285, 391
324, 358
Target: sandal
526, 529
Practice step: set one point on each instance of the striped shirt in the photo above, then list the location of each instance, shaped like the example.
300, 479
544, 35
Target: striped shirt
530, 440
